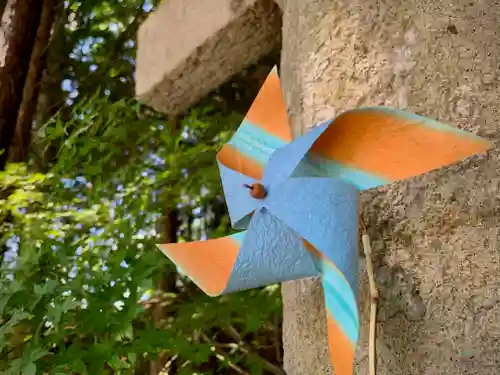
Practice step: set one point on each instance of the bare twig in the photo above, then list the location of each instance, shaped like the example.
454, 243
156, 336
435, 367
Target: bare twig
249, 351
222, 356
168, 365
373, 300
241, 346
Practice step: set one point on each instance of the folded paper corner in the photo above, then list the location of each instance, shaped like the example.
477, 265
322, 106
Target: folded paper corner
208, 263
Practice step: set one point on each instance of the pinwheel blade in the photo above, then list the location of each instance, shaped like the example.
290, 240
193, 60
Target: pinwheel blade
285, 160
341, 349
264, 129
342, 318
373, 146
208, 263
271, 253
324, 211
341, 312
267, 253
238, 200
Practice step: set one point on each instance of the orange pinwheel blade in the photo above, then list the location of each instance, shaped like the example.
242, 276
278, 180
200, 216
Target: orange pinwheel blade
390, 145
208, 263
264, 129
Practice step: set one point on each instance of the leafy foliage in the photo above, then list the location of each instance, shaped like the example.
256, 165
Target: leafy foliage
80, 256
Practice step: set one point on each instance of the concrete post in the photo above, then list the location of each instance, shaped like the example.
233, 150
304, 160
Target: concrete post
434, 237
186, 49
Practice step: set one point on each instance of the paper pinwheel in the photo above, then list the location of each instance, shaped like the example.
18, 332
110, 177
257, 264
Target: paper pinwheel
297, 201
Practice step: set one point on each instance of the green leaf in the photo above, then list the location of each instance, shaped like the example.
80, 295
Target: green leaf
16, 318
127, 332
30, 369
118, 364
48, 287
7, 292
15, 367
59, 370
79, 367
37, 353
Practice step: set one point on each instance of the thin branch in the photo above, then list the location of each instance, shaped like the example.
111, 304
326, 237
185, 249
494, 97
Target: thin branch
240, 345
234, 334
222, 356
373, 301
169, 364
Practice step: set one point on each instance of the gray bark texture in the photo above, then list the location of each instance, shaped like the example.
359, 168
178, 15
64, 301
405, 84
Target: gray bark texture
434, 237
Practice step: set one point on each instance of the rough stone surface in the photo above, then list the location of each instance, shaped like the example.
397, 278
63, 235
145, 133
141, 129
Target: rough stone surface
186, 49
434, 237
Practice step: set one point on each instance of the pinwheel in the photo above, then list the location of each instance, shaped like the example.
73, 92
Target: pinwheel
296, 201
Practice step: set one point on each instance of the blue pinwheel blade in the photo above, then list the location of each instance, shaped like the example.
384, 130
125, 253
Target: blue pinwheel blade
238, 200
270, 253
324, 211
285, 160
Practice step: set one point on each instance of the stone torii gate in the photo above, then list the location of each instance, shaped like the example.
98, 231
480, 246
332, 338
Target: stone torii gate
434, 237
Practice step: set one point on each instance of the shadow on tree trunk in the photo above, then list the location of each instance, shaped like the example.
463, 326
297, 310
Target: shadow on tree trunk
19, 34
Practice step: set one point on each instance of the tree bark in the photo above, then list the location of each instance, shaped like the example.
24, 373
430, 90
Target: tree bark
164, 284
434, 237
3, 3
169, 226
51, 96
22, 136
19, 25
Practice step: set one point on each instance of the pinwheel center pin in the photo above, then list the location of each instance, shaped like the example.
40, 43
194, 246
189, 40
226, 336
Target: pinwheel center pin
257, 190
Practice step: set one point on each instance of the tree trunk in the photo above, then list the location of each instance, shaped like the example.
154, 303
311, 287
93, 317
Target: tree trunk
164, 284
50, 95
3, 3
17, 37
434, 237
22, 137
166, 280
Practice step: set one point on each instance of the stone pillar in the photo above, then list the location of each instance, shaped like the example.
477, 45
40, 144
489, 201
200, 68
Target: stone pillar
187, 48
434, 237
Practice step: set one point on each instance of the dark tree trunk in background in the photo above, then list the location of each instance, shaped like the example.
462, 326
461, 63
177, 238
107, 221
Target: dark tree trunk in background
22, 137
165, 282
3, 3
50, 95
17, 35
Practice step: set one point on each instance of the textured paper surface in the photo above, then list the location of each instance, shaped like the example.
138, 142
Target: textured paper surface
308, 223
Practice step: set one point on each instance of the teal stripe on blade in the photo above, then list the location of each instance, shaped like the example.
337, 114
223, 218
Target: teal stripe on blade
255, 142
317, 166
340, 311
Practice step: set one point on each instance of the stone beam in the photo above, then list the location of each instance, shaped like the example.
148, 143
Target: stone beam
188, 48
435, 238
